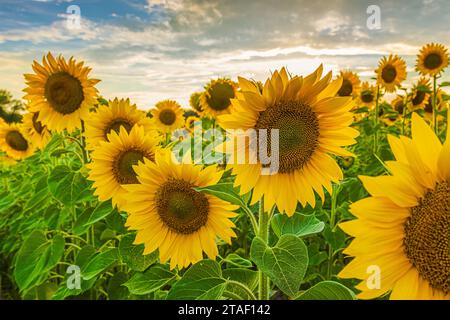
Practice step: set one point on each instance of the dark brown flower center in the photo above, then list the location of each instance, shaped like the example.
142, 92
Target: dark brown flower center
219, 95
16, 141
37, 125
298, 133
367, 96
346, 88
419, 97
123, 165
181, 208
389, 74
167, 117
64, 92
399, 107
427, 237
116, 124
432, 61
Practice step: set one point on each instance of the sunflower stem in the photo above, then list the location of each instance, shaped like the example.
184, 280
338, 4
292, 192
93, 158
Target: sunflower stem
405, 101
83, 143
336, 191
243, 287
263, 289
435, 111
377, 115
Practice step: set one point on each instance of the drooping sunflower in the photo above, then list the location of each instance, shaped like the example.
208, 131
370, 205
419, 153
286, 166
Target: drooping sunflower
112, 162
167, 116
34, 131
169, 214
367, 95
420, 94
194, 102
61, 92
13, 141
403, 228
351, 85
432, 59
440, 103
391, 72
216, 99
117, 114
312, 123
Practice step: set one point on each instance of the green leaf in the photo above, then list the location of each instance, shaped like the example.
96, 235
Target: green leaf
203, 281
327, 290
235, 260
66, 185
36, 200
116, 290
80, 226
285, 264
224, 191
335, 238
99, 263
299, 224
132, 254
151, 280
445, 84
102, 210
247, 277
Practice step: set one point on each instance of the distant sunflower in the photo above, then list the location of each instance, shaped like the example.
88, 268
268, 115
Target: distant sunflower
189, 123
420, 94
391, 72
440, 103
404, 227
398, 104
216, 99
13, 141
167, 116
34, 131
351, 84
432, 60
112, 162
111, 117
194, 102
312, 124
367, 95
169, 214
61, 92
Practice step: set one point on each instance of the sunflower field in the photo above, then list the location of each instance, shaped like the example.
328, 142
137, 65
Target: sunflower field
99, 201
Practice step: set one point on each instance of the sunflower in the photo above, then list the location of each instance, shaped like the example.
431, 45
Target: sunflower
194, 102
312, 123
403, 228
351, 84
216, 99
169, 214
189, 123
117, 114
168, 116
398, 104
432, 60
14, 142
420, 94
367, 95
34, 131
440, 103
391, 72
112, 162
61, 92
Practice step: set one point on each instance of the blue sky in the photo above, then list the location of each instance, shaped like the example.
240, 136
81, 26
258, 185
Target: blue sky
151, 50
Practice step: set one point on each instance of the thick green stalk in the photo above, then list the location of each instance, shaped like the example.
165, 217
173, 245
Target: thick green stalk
336, 190
263, 289
377, 114
435, 110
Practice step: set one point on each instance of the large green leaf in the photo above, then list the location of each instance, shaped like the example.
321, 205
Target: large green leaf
327, 290
203, 281
132, 254
224, 191
67, 186
102, 210
285, 264
245, 277
99, 263
299, 224
151, 280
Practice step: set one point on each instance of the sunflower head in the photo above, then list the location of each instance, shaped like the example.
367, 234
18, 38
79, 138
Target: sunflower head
420, 94
432, 59
194, 102
311, 123
61, 92
190, 121
216, 99
391, 72
367, 95
13, 141
172, 215
34, 131
167, 116
403, 227
113, 161
111, 117
351, 84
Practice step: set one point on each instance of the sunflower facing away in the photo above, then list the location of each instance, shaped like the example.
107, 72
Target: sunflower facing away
367, 95
432, 59
404, 227
34, 131
440, 103
167, 116
112, 162
169, 214
61, 92
194, 102
117, 114
420, 94
312, 122
13, 141
351, 84
216, 99
391, 72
